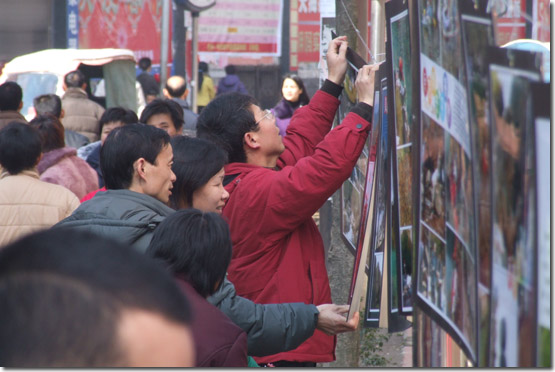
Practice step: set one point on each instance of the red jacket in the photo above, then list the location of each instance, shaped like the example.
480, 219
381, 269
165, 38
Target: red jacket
278, 253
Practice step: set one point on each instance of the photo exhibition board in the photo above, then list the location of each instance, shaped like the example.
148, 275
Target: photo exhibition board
478, 35
540, 117
400, 106
513, 252
379, 241
446, 275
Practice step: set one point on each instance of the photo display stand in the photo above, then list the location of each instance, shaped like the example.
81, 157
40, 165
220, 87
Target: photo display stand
446, 275
378, 236
398, 51
540, 117
477, 36
513, 253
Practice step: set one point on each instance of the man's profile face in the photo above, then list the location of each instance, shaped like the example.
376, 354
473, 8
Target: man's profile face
150, 340
164, 122
159, 177
270, 141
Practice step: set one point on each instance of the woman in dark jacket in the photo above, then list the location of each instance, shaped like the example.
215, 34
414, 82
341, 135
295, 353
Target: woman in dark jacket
196, 248
294, 96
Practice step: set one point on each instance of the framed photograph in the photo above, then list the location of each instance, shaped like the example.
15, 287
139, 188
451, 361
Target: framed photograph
512, 315
540, 117
378, 241
352, 190
478, 35
446, 276
400, 106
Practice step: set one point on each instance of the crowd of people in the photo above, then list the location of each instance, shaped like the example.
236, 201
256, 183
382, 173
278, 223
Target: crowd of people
172, 239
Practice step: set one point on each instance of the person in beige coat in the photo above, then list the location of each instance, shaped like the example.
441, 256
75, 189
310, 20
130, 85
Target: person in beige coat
82, 115
27, 204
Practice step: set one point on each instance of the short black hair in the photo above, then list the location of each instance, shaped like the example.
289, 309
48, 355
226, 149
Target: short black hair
74, 79
115, 114
195, 245
229, 70
164, 106
51, 132
225, 120
126, 144
144, 63
195, 162
203, 66
20, 147
11, 95
62, 294
48, 104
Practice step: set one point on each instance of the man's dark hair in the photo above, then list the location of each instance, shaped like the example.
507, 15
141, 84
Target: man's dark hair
203, 66
164, 106
225, 121
194, 245
195, 162
20, 147
10, 96
48, 104
123, 146
115, 114
62, 294
230, 70
176, 90
75, 79
51, 132
144, 63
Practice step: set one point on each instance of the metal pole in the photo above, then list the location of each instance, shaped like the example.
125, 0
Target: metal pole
194, 79
164, 44
377, 34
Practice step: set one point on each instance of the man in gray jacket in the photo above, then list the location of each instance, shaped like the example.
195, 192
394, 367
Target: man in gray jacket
136, 162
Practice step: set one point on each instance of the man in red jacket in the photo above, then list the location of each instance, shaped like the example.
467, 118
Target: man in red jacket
275, 187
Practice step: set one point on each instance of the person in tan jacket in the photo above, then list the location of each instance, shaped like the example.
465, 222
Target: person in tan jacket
82, 115
27, 204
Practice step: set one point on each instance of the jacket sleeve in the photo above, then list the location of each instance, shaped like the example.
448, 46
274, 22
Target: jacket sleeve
270, 328
310, 124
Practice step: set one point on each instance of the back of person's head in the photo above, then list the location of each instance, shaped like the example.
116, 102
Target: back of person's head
303, 98
195, 162
203, 66
176, 86
11, 95
225, 121
164, 106
230, 70
124, 146
48, 104
51, 132
144, 63
20, 147
69, 298
194, 245
75, 79
115, 114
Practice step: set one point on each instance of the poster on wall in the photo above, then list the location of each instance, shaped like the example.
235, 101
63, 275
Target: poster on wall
243, 28
379, 242
512, 315
400, 105
540, 118
446, 279
477, 36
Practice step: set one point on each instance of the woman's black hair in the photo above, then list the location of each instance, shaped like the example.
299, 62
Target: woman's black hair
303, 98
194, 245
195, 162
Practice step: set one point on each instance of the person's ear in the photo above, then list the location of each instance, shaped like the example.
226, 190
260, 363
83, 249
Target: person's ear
186, 93
166, 93
140, 168
250, 139
62, 114
20, 106
39, 159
